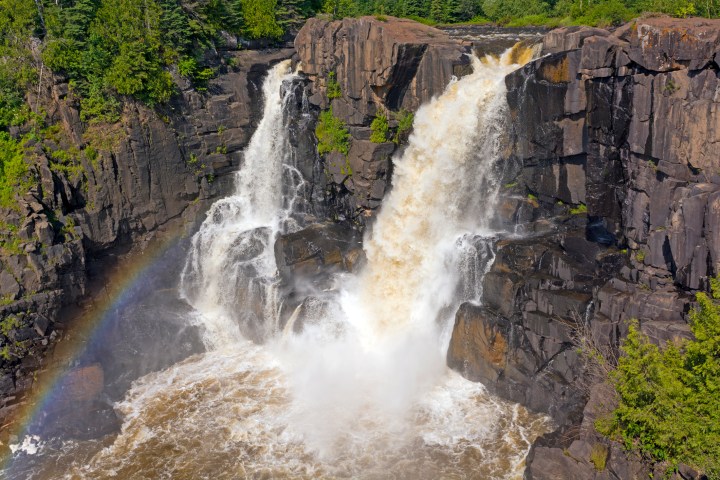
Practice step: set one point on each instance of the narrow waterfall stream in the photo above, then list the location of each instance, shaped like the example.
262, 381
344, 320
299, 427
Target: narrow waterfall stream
363, 391
230, 273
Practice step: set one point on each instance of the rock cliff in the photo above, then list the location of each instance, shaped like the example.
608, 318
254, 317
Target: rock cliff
612, 181
615, 181
105, 190
376, 67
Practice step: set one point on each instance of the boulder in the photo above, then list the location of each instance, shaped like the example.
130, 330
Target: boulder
313, 254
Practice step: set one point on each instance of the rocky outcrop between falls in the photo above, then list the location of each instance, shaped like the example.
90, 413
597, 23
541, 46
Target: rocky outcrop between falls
374, 67
103, 190
614, 181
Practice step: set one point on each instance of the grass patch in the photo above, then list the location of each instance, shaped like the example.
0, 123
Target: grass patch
599, 456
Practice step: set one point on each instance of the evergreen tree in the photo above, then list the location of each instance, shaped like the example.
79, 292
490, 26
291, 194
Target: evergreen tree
438, 10
175, 26
259, 17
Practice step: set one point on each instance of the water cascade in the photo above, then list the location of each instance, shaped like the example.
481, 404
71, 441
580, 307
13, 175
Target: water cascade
230, 274
362, 391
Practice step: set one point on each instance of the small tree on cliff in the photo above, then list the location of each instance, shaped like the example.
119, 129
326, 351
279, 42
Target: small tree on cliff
669, 398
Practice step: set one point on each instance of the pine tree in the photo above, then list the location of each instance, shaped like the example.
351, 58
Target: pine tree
438, 10
175, 26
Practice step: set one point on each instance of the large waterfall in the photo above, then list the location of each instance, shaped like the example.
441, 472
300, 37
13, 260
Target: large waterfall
362, 391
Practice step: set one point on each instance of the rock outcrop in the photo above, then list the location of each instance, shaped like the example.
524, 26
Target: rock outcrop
614, 176
374, 67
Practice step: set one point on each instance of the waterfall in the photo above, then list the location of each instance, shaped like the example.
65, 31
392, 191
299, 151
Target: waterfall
396, 315
362, 391
449, 159
230, 274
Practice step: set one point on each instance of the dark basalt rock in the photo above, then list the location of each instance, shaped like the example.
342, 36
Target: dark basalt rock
614, 135
308, 261
380, 67
313, 254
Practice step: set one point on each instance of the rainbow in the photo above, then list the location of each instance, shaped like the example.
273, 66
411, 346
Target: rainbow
89, 326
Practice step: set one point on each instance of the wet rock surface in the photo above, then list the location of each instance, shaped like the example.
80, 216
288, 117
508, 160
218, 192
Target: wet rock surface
308, 261
613, 176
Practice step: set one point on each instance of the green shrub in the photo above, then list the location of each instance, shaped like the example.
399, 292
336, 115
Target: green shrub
669, 397
333, 87
405, 121
380, 128
14, 176
8, 324
332, 134
99, 106
187, 67
579, 210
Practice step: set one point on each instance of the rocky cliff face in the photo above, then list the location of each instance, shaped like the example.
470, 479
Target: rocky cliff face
104, 190
381, 67
616, 184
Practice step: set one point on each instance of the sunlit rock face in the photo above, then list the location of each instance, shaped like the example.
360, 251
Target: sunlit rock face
381, 67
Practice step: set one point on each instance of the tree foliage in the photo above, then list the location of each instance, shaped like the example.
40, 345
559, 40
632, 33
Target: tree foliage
13, 169
669, 397
522, 12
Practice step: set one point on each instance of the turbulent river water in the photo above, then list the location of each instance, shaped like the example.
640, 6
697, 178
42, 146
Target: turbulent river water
363, 390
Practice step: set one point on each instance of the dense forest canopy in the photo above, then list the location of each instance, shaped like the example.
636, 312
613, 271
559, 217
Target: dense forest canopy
522, 12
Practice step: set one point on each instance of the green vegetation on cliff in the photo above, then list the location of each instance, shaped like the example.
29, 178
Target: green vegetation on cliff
669, 397
522, 12
332, 134
380, 129
13, 170
111, 50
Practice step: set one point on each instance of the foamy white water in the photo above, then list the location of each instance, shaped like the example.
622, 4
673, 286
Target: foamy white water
230, 274
363, 391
